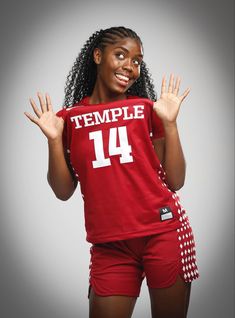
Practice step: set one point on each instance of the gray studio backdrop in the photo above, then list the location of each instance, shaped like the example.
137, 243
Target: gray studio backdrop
44, 254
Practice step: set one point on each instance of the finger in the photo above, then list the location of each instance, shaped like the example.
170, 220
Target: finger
171, 82
48, 100
177, 85
163, 88
32, 118
182, 97
42, 102
36, 110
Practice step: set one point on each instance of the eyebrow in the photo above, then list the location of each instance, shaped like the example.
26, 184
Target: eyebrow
122, 47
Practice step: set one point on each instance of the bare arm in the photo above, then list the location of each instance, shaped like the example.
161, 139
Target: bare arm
170, 154
168, 149
58, 176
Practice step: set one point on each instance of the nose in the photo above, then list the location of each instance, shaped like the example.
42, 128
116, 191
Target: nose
128, 65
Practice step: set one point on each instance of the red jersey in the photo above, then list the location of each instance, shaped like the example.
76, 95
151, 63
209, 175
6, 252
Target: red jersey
109, 147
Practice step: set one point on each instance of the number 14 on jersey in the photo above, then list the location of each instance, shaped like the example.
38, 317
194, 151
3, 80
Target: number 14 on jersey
124, 150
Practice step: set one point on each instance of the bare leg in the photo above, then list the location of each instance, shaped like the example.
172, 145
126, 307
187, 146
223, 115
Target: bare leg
110, 306
171, 302
188, 298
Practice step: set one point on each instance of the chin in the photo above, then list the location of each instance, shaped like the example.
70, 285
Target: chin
123, 90
119, 91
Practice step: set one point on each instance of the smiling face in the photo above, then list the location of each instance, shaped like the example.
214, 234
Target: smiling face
118, 67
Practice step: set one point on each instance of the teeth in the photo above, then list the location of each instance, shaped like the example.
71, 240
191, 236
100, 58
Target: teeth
122, 77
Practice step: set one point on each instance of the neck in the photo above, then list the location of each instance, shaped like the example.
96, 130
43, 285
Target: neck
100, 96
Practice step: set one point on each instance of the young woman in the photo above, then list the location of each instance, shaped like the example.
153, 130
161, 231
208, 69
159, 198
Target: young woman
123, 146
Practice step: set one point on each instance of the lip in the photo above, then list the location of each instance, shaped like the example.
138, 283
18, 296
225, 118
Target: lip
123, 74
122, 83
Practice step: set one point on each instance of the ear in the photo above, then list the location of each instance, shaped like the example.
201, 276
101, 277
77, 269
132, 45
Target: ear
97, 55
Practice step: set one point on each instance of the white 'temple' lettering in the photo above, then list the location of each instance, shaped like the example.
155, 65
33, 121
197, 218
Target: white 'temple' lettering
138, 111
108, 115
75, 118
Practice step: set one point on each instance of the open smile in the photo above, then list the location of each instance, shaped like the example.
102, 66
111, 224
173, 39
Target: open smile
122, 79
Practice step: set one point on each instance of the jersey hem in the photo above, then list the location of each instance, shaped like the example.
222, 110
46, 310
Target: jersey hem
129, 235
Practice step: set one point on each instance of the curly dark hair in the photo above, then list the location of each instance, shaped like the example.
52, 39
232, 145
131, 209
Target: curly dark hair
81, 79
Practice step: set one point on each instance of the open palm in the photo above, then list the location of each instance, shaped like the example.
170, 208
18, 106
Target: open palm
50, 124
168, 105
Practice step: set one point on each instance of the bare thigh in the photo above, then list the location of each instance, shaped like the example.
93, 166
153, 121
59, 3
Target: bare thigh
171, 302
110, 306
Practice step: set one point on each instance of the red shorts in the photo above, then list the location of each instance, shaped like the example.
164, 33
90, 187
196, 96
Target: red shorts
118, 268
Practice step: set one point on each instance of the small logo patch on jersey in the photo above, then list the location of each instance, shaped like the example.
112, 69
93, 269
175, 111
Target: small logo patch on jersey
165, 213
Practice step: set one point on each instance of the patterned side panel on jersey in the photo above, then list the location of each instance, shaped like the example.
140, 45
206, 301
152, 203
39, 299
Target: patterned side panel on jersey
188, 266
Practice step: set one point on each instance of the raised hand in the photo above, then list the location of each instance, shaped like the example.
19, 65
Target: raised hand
168, 105
50, 124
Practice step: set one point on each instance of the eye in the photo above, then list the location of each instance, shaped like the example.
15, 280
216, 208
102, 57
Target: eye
120, 55
138, 62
